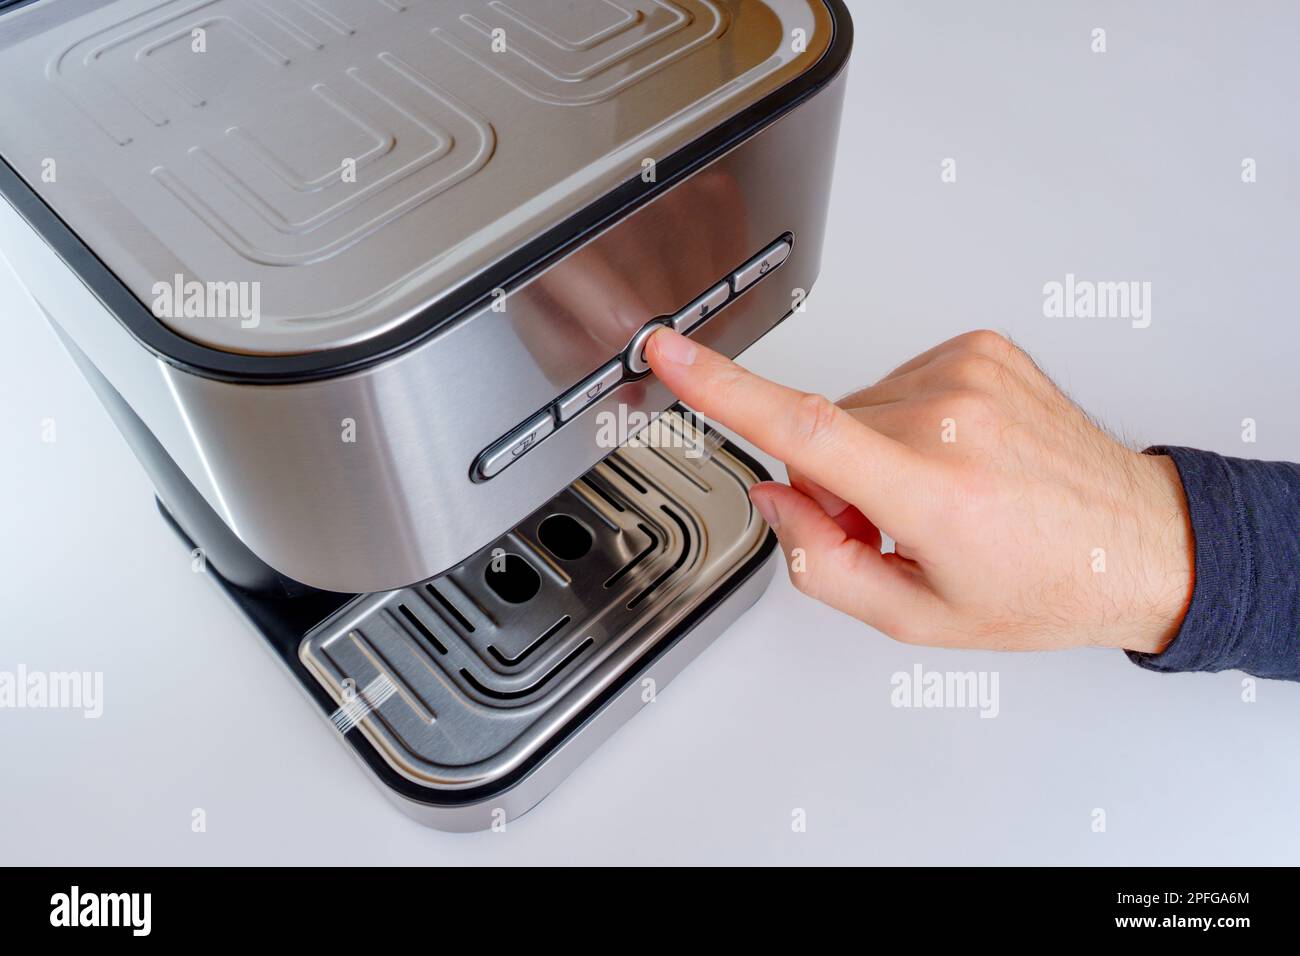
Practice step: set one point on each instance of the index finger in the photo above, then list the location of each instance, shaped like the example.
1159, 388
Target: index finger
887, 480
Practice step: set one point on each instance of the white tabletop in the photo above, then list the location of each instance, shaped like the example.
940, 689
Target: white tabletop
1116, 166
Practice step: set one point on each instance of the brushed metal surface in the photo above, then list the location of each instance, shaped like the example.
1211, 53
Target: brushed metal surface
533, 788
517, 799
396, 505
356, 162
471, 686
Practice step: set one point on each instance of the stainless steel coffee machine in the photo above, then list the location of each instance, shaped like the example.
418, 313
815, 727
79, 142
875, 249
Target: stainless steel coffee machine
366, 283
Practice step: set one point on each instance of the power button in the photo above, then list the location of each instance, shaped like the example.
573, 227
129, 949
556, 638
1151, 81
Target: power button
634, 355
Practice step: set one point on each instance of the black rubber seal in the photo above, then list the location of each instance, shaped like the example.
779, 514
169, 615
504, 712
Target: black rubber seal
514, 269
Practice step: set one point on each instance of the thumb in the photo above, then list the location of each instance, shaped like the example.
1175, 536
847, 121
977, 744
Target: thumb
882, 590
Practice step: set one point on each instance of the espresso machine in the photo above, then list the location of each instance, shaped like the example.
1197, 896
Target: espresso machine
366, 284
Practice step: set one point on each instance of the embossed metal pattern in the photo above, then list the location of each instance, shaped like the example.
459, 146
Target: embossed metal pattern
481, 683
359, 160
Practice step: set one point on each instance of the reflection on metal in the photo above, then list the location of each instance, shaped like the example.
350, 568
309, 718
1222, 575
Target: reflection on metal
481, 683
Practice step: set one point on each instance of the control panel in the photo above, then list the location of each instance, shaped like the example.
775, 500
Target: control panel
630, 366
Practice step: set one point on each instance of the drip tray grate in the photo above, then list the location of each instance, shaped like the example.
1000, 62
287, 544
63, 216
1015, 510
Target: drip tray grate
483, 664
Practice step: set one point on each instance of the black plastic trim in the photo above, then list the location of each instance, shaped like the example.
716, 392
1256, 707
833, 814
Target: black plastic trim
511, 271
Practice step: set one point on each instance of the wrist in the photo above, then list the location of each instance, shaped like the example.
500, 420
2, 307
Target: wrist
1169, 546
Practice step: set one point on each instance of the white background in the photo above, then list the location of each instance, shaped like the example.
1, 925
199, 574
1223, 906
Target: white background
1116, 166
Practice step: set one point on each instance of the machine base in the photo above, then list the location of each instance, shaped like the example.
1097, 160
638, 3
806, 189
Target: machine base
469, 697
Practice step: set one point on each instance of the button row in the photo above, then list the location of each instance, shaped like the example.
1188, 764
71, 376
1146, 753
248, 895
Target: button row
528, 435
690, 317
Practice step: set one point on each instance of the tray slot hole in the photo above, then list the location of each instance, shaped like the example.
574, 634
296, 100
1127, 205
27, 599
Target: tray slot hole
421, 628
445, 603
531, 648
599, 488
517, 694
565, 537
622, 473
625, 569
677, 565
515, 581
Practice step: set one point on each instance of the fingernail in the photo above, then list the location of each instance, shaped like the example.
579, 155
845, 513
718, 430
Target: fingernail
673, 347
766, 507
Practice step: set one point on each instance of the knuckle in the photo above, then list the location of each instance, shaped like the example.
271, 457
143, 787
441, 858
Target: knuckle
815, 417
817, 578
974, 370
997, 348
969, 405
986, 342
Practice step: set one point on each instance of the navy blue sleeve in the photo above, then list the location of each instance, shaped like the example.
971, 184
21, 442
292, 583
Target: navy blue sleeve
1245, 608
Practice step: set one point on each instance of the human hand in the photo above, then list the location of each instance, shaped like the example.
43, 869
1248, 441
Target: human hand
1018, 523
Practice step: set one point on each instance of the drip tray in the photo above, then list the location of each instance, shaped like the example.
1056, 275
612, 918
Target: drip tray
466, 681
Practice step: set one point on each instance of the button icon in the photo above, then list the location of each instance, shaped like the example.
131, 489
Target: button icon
701, 309
512, 447
762, 265
585, 393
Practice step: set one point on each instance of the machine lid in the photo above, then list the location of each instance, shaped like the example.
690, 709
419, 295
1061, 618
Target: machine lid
286, 178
